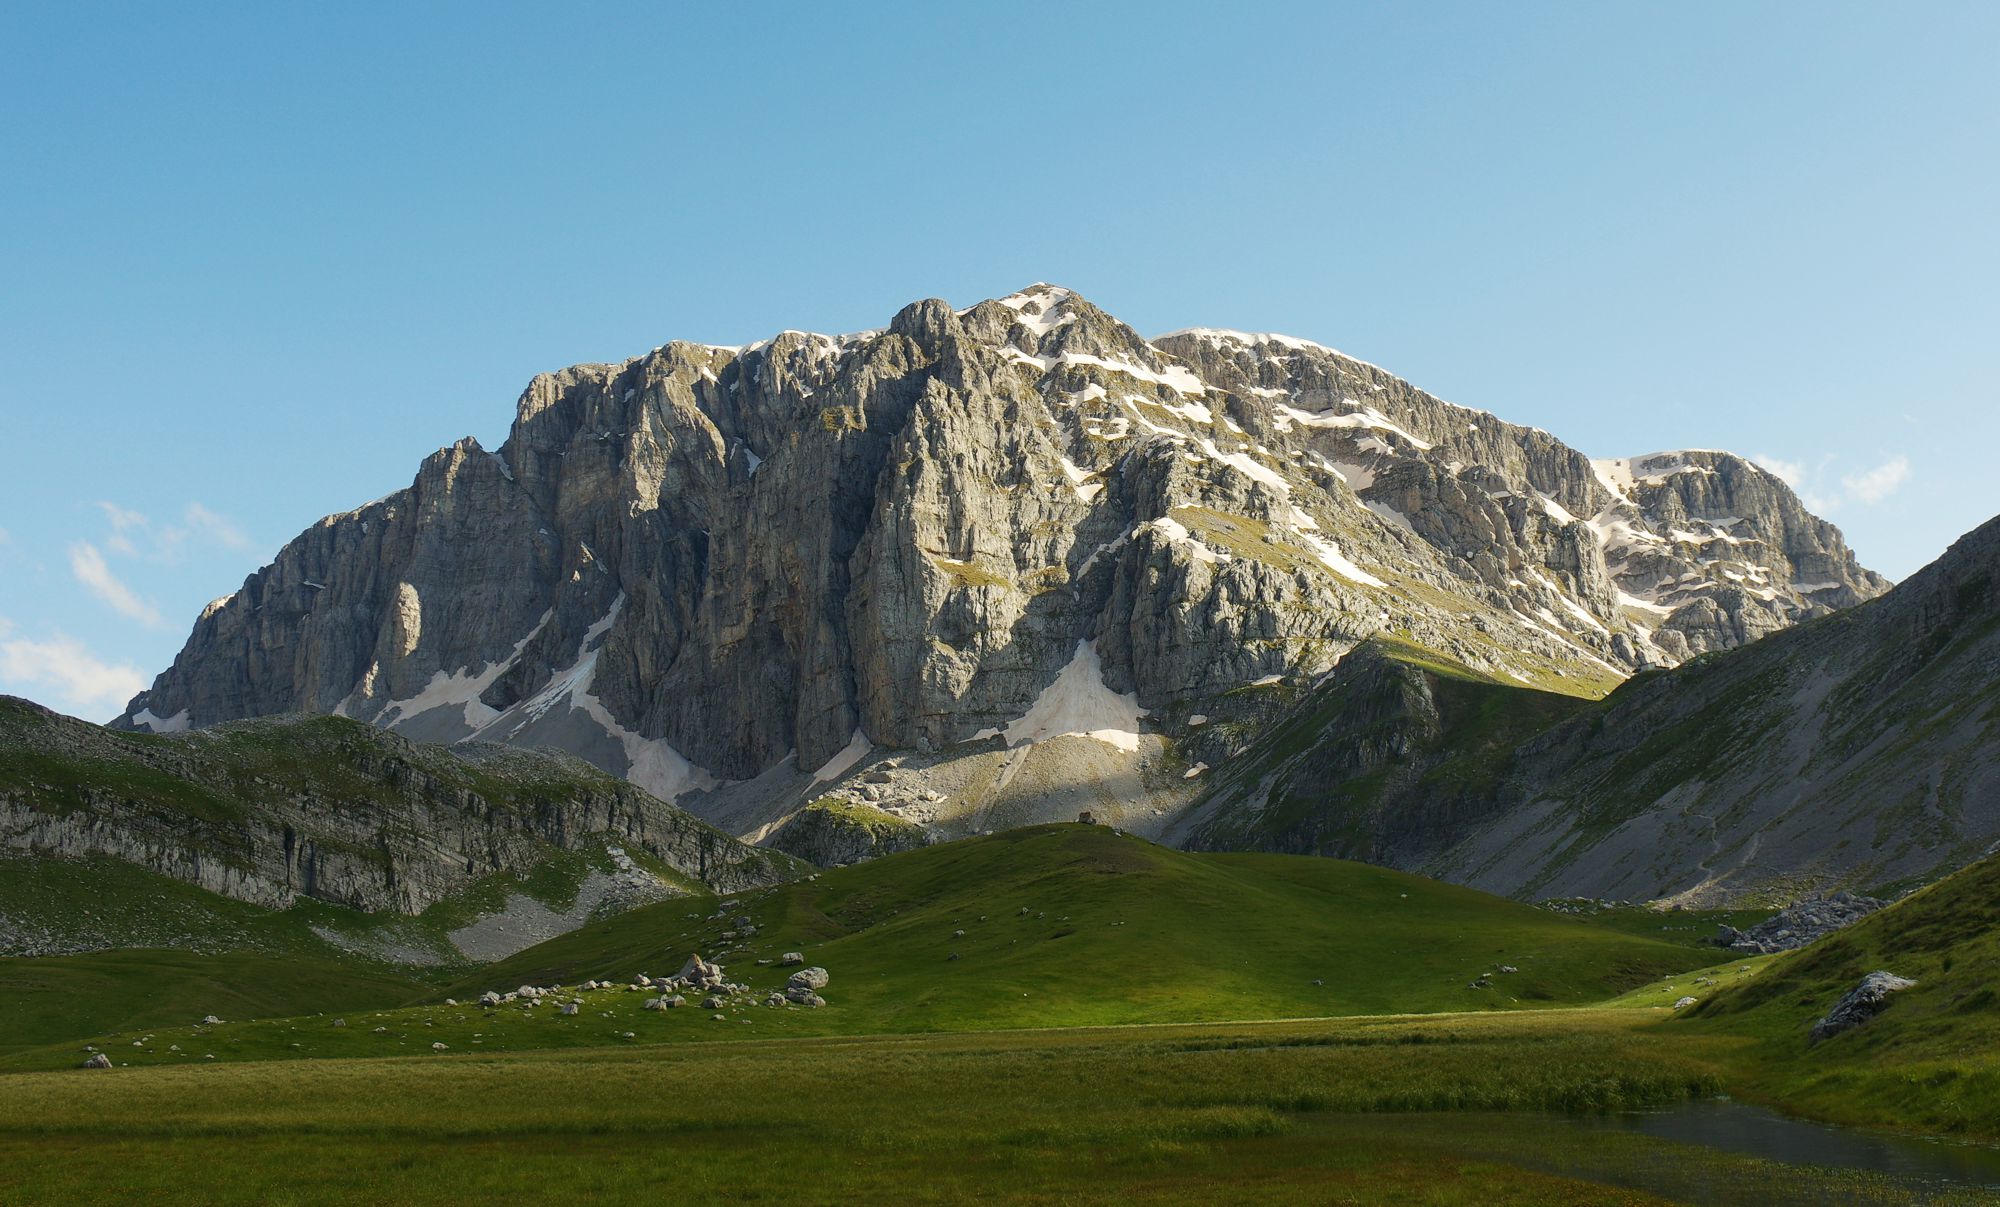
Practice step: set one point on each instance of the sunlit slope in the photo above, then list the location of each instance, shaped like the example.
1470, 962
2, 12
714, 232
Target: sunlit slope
1930, 1059
1067, 925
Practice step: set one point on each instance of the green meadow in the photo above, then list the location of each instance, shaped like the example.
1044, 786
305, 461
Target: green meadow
1062, 1014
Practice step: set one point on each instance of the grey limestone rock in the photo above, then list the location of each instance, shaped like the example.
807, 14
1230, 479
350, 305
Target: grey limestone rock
713, 570
1861, 1003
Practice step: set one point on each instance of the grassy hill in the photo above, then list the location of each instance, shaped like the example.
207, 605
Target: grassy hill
1078, 925
1053, 926
1930, 1060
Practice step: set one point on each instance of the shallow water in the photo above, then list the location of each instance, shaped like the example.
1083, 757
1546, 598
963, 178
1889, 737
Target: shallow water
1925, 1167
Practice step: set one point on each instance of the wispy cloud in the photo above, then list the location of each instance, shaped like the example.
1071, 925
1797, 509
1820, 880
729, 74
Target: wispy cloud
1865, 488
1875, 485
215, 527
136, 534
92, 571
62, 673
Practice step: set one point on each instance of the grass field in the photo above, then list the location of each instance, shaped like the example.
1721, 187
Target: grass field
1086, 1044
1052, 926
1360, 1110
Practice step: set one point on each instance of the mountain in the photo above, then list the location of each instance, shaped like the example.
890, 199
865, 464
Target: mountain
980, 568
272, 812
1859, 749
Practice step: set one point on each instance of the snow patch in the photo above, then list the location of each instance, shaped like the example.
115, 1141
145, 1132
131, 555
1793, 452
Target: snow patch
1330, 556
1362, 417
840, 764
1078, 702
178, 723
1178, 534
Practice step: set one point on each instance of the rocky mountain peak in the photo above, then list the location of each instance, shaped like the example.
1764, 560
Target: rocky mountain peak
719, 571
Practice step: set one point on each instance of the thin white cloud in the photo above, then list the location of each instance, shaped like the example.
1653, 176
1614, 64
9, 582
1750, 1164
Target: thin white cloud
1792, 473
123, 518
1796, 475
6, 537
1865, 488
1875, 485
216, 527
134, 533
64, 674
91, 570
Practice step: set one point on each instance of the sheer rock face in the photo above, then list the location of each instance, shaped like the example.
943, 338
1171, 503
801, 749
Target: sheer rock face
704, 564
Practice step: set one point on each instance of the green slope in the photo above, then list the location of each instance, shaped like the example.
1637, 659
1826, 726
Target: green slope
50, 999
1115, 930
1118, 930
1930, 1060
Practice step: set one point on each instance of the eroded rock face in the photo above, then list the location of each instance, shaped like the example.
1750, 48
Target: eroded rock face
271, 811
698, 564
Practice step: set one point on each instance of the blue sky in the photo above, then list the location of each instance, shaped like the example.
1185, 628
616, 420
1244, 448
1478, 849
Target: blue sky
259, 259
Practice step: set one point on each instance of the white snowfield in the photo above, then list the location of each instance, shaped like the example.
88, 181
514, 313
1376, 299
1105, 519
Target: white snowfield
1079, 703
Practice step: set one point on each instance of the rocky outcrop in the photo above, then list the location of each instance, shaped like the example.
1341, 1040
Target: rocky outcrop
715, 570
271, 811
1800, 923
1861, 1003
833, 833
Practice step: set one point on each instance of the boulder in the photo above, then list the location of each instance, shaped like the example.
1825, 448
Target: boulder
98, 1061
791, 958
712, 1002
209, 1020
1684, 1003
1861, 1003
804, 996
809, 978
698, 973
489, 998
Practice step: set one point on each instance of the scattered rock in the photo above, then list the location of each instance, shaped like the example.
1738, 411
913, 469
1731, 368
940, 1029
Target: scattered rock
809, 978
1086, 818
804, 996
570, 1008
698, 973
1684, 1003
1508, 968
1860, 1004
209, 1020
489, 998
712, 1003
98, 1061
439, 1047
340, 1022
1801, 922
790, 958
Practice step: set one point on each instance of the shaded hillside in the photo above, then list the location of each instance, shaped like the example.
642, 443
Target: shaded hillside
273, 811
1861, 749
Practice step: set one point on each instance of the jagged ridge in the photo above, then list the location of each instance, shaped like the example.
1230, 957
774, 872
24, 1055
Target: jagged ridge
715, 570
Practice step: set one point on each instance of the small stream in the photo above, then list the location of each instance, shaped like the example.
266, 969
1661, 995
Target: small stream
1924, 1167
